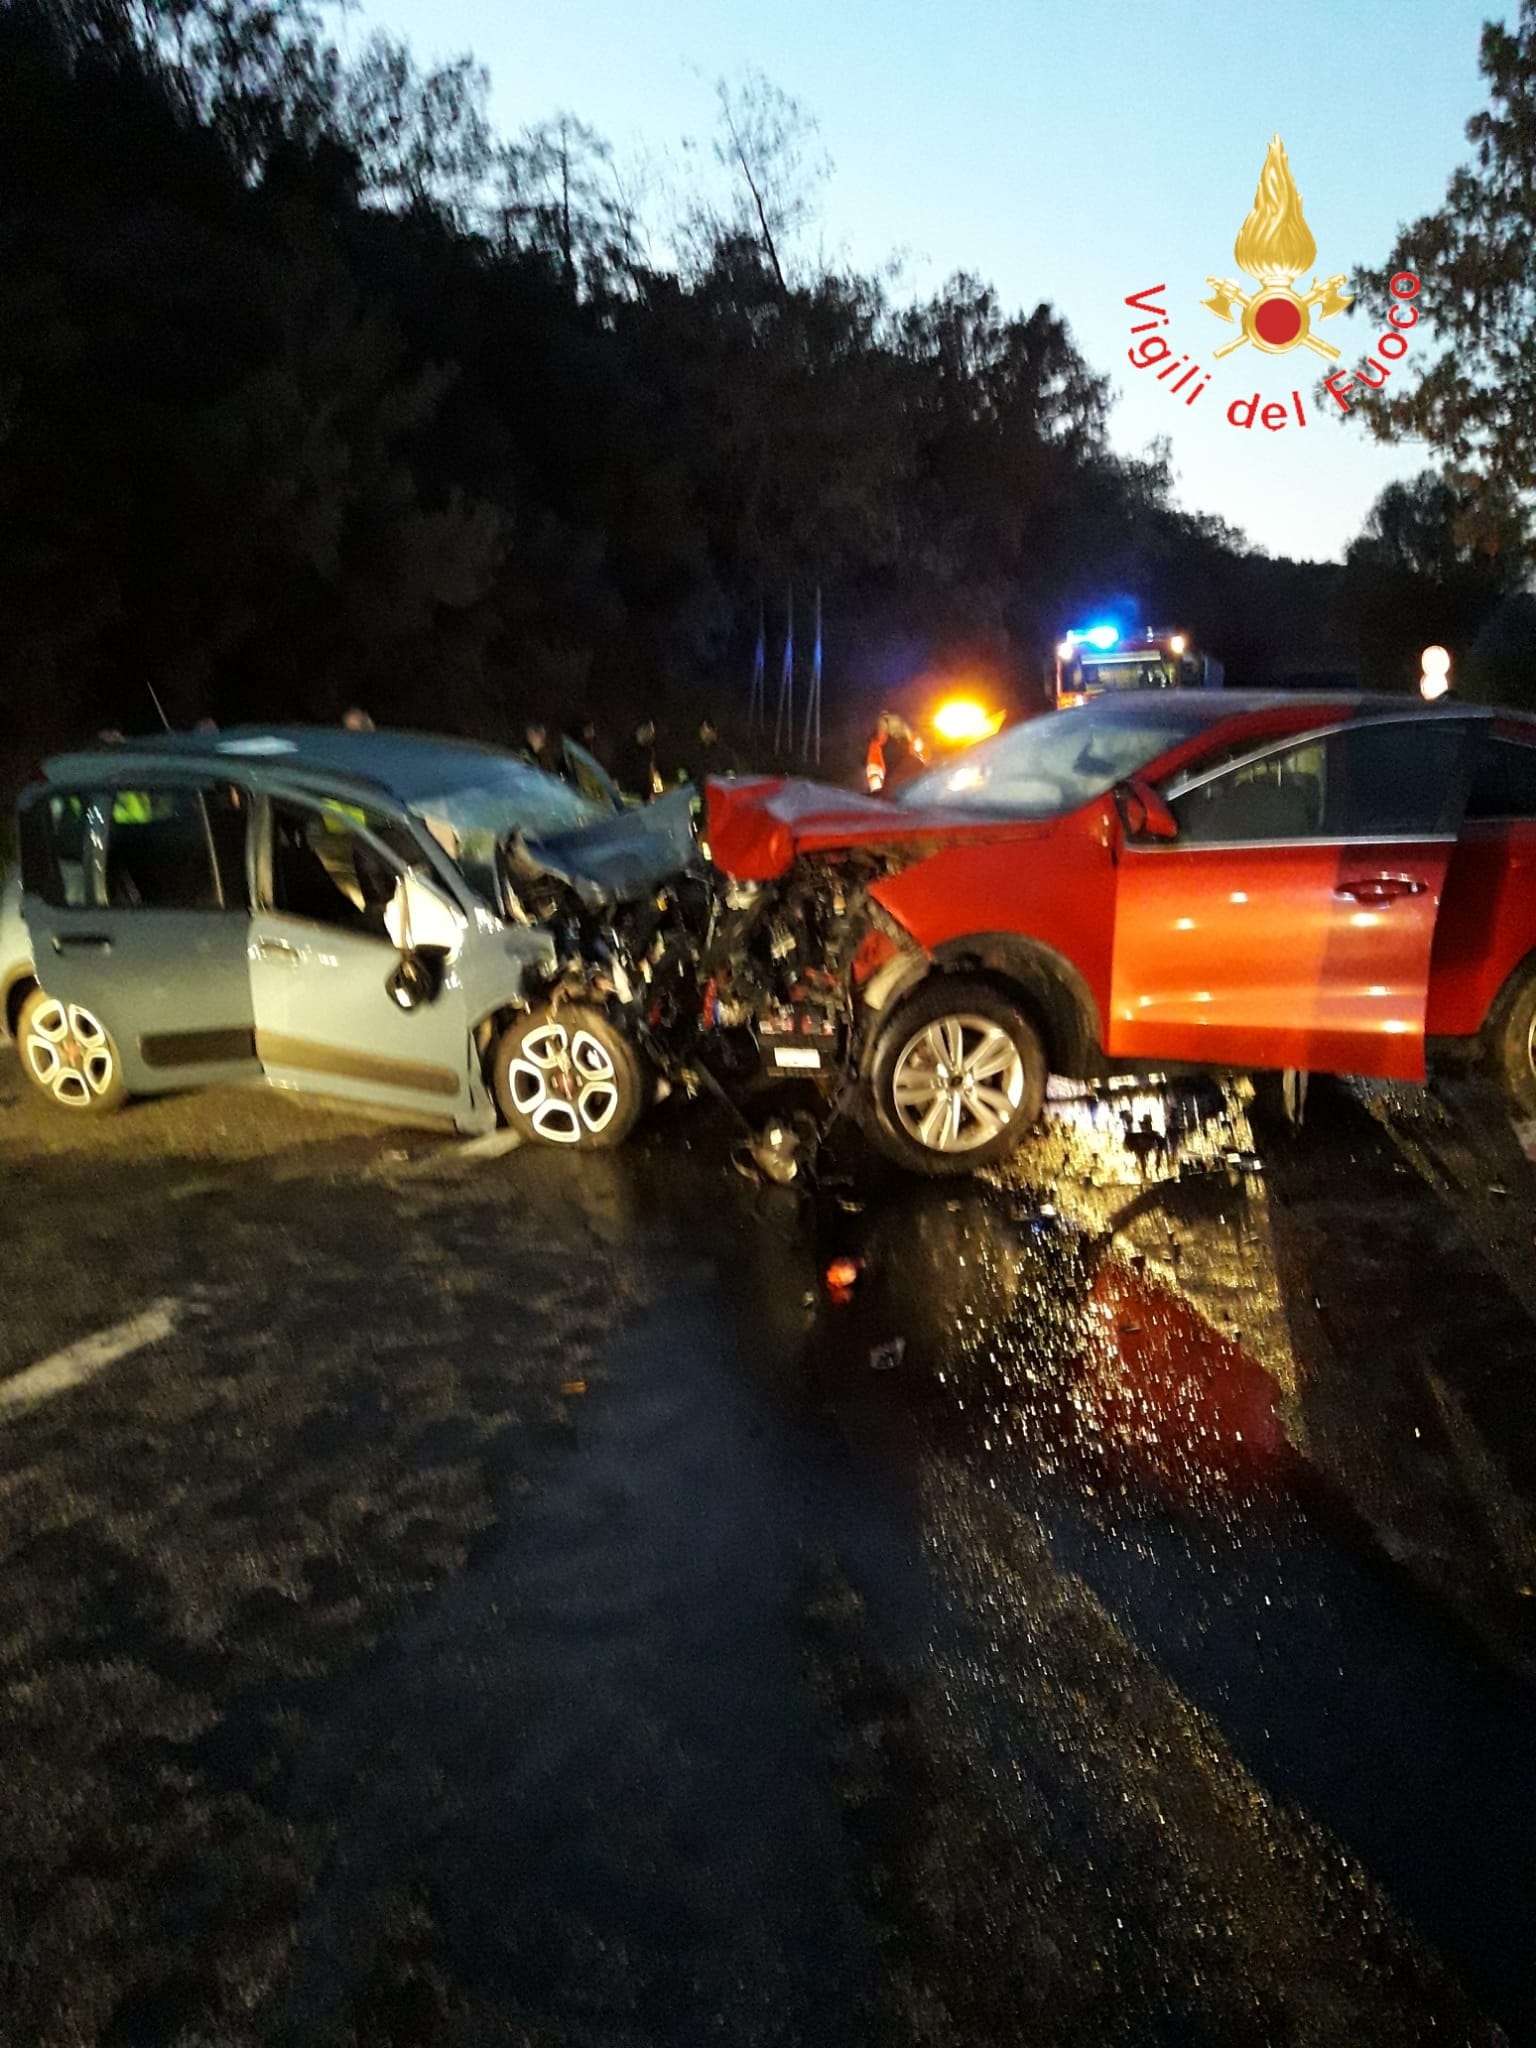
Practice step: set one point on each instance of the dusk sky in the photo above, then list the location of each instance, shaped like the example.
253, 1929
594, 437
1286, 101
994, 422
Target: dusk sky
1067, 152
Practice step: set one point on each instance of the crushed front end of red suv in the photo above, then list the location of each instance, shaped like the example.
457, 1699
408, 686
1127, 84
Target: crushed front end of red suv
1238, 881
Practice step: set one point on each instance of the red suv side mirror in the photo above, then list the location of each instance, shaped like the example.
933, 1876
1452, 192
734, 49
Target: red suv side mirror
1144, 814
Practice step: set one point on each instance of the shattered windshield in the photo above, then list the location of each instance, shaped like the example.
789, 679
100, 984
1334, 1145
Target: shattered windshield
471, 823
1050, 765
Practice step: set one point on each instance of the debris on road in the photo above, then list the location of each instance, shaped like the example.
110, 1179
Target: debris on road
842, 1276
774, 1154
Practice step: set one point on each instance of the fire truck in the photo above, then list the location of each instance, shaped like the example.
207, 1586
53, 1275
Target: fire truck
1092, 659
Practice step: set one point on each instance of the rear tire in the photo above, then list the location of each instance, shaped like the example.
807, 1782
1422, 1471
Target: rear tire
1513, 1046
566, 1075
68, 1054
956, 1078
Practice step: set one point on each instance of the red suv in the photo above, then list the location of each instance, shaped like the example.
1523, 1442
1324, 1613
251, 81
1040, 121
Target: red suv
1327, 883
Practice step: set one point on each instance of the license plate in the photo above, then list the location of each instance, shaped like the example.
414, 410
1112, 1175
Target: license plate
796, 1056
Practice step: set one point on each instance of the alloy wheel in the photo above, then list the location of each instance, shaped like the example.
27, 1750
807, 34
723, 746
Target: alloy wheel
957, 1082
69, 1053
564, 1083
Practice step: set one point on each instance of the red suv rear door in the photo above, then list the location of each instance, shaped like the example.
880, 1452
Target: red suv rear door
1291, 921
1488, 918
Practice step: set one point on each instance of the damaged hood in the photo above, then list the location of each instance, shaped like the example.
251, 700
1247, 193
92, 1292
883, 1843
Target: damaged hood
759, 824
621, 858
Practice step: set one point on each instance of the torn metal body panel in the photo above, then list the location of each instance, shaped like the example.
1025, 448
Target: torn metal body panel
621, 858
499, 974
760, 825
720, 979
626, 906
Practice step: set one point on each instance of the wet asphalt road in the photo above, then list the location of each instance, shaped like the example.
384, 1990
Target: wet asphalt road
505, 1600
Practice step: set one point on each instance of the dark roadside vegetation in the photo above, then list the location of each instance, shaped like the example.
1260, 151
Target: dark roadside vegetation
315, 391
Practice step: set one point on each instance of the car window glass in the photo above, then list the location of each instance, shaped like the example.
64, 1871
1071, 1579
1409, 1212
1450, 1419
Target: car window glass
326, 872
1503, 780
162, 848
1052, 764
1208, 762
53, 848
1279, 796
1388, 780
1364, 782
390, 832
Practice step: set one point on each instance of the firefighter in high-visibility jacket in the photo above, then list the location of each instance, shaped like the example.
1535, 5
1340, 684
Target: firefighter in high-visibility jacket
888, 725
874, 760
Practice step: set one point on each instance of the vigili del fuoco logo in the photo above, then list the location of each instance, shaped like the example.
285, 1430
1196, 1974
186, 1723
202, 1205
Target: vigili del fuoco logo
1274, 247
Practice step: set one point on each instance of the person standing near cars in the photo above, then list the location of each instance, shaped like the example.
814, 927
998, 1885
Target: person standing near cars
711, 756
902, 764
582, 732
638, 774
536, 750
874, 759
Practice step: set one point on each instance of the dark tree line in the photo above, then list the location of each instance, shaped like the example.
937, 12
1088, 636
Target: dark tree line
315, 391
1467, 392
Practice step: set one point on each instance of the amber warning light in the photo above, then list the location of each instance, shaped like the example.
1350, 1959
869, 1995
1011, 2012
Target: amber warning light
962, 720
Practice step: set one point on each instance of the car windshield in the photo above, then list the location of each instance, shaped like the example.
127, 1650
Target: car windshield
1050, 765
471, 821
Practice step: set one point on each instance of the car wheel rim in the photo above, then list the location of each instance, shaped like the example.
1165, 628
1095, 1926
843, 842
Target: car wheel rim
564, 1084
69, 1053
1530, 1049
957, 1084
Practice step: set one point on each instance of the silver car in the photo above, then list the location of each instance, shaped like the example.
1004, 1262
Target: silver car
333, 912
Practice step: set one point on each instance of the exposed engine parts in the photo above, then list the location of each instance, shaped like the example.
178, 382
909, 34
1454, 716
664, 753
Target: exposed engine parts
779, 966
720, 983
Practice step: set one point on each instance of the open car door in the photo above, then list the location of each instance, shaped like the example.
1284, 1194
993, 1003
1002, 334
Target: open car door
1290, 920
324, 965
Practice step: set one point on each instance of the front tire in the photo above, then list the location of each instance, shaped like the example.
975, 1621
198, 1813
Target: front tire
956, 1079
1513, 1046
68, 1054
566, 1075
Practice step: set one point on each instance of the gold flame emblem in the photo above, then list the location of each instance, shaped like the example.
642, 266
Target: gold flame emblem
1275, 245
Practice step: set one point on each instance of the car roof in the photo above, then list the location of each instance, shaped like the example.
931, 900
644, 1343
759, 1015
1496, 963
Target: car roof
414, 767
1211, 707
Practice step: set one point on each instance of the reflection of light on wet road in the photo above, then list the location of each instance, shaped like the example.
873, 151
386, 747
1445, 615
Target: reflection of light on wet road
1106, 1305
1101, 1405
1170, 1392
1168, 1176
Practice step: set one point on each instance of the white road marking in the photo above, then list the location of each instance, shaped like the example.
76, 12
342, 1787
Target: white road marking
82, 1361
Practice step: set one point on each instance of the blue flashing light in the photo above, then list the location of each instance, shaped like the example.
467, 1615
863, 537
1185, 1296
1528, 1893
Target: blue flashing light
1102, 637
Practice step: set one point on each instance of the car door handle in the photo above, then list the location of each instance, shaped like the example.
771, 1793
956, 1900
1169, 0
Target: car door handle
277, 949
1381, 888
81, 942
